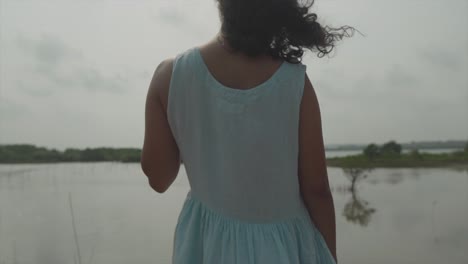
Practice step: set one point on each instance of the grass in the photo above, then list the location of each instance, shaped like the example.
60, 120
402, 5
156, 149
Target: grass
407, 160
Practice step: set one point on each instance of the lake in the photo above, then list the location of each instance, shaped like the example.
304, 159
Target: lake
342, 153
106, 213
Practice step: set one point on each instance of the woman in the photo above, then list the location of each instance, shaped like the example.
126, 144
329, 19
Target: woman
242, 114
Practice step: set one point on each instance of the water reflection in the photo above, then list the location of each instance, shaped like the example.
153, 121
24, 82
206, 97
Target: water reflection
395, 177
105, 213
357, 210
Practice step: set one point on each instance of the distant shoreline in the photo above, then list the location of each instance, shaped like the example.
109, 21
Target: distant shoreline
415, 159
376, 157
330, 164
419, 145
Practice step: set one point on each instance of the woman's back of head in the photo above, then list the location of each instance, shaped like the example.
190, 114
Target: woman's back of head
280, 28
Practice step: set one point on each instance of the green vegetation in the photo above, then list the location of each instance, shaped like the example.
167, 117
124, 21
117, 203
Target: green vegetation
373, 156
390, 155
421, 145
25, 153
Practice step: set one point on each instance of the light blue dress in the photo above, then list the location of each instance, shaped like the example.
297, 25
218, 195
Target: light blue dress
240, 152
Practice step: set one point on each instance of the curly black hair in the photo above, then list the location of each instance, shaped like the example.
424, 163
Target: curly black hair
280, 28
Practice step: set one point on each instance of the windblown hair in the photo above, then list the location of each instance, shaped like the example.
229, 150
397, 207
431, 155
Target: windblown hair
280, 28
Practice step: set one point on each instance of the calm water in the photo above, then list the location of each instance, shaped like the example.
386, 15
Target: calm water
342, 153
383, 216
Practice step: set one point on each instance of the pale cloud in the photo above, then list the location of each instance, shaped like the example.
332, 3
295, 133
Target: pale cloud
10, 109
397, 77
171, 15
446, 60
49, 51
61, 67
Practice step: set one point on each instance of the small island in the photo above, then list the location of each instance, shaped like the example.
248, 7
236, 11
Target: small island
388, 155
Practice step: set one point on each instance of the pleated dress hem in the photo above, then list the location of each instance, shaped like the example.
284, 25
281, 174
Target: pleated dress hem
206, 236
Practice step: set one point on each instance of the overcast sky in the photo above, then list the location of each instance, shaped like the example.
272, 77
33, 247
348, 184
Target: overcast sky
76, 73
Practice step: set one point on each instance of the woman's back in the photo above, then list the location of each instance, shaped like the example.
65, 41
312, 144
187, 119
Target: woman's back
238, 158
240, 148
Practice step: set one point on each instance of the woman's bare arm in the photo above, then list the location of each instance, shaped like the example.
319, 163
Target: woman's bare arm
313, 177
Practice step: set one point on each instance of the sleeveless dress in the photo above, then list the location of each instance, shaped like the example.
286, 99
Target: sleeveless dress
240, 152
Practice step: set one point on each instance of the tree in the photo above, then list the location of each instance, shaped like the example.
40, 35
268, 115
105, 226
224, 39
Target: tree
71, 154
391, 147
466, 147
371, 151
